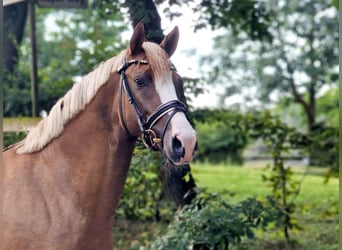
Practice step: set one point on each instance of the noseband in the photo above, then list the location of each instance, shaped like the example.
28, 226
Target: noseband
148, 135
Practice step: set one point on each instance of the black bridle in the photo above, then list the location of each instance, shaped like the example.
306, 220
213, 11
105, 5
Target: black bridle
170, 108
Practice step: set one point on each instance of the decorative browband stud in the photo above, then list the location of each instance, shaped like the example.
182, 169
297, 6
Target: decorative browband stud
143, 62
125, 65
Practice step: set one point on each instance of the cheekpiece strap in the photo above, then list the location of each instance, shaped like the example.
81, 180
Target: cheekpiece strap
124, 85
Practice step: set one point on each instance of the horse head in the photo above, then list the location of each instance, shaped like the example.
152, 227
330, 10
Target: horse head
152, 87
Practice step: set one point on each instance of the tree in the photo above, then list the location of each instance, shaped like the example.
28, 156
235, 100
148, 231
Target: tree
71, 51
249, 16
300, 61
148, 13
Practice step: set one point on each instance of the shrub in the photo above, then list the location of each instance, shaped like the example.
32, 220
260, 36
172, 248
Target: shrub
209, 222
325, 147
219, 143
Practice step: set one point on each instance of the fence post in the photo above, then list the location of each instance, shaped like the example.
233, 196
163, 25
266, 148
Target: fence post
34, 75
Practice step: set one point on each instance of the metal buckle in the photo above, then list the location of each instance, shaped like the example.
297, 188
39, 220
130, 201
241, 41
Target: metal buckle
150, 139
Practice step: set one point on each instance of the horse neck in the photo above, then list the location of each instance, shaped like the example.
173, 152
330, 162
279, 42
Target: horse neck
98, 152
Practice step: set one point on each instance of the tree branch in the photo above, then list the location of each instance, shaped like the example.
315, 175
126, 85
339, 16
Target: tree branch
296, 95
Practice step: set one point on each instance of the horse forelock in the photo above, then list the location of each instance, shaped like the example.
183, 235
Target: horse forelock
160, 65
158, 60
67, 107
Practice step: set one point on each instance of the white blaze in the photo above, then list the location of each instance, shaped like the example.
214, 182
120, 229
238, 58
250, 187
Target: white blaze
181, 128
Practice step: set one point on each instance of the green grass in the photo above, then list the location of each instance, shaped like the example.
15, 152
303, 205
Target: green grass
247, 181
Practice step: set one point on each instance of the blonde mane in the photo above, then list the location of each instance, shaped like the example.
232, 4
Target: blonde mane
76, 99
68, 106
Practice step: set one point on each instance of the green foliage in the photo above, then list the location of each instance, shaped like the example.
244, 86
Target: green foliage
219, 143
79, 41
335, 3
325, 147
86, 37
17, 95
251, 17
192, 86
327, 108
212, 223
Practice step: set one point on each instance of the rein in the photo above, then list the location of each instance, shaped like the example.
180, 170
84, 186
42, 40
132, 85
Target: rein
170, 108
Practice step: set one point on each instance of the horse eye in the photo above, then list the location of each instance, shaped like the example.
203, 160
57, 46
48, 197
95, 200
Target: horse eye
139, 82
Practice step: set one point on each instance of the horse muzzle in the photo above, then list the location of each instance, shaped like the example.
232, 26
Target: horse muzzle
180, 140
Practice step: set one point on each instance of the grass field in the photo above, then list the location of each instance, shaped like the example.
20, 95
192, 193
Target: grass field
317, 210
247, 181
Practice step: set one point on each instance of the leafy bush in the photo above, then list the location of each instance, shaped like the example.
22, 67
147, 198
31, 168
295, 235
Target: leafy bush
219, 143
209, 222
325, 147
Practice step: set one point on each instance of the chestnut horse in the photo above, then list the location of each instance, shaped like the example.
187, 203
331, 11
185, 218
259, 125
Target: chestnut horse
64, 180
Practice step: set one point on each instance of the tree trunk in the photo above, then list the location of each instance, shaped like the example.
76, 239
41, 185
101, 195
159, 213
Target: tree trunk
15, 16
146, 10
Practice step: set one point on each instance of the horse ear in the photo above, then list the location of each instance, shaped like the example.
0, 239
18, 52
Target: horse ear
169, 43
137, 38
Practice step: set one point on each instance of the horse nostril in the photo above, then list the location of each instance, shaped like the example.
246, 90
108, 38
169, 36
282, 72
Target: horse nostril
178, 148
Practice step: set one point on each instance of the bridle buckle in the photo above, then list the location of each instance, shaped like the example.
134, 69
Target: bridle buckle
150, 138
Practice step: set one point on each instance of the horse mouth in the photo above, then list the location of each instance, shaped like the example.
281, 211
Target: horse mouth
177, 154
